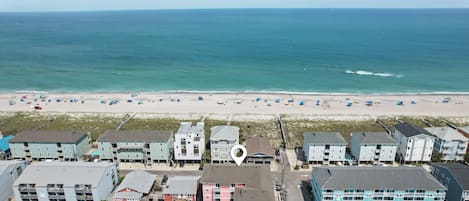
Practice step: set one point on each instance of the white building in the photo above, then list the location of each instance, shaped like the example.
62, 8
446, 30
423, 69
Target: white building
324, 147
9, 171
415, 143
374, 147
222, 139
450, 143
70, 181
189, 142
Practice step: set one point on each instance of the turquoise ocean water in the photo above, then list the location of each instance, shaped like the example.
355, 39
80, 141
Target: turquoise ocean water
295, 50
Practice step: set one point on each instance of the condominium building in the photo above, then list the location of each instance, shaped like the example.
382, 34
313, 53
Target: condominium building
54, 145
230, 182
455, 177
324, 147
375, 183
70, 181
415, 143
189, 142
450, 143
181, 188
136, 146
222, 139
136, 186
259, 150
9, 171
373, 147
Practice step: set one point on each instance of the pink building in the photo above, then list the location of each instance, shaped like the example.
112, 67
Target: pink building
227, 182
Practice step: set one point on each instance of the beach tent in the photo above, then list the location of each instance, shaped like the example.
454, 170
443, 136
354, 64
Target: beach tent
318, 102
129, 101
133, 94
349, 104
302, 103
258, 99
290, 100
277, 100
369, 103
400, 103
201, 98
42, 96
12, 102
413, 102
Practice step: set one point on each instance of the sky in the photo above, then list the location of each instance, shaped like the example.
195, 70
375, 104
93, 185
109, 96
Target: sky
88, 5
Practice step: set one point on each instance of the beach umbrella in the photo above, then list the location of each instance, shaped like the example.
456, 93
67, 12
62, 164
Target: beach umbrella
277, 100
302, 103
129, 101
318, 102
201, 98
349, 104
258, 99
369, 103
400, 103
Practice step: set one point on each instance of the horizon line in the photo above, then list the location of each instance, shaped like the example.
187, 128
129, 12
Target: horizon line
240, 8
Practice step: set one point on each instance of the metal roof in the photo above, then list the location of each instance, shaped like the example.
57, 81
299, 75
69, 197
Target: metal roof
4, 164
374, 138
369, 178
324, 138
410, 130
189, 128
135, 136
261, 145
138, 180
447, 133
46, 136
182, 185
230, 133
459, 171
66, 173
4, 142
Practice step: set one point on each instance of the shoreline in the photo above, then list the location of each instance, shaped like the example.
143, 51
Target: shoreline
245, 92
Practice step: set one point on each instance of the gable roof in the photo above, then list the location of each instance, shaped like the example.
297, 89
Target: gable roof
374, 138
54, 172
182, 185
324, 138
447, 133
368, 178
255, 177
259, 145
5, 142
135, 136
230, 133
410, 130
459, 171
52, 136
138, 180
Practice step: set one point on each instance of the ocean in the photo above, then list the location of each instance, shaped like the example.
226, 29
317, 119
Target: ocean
237, 50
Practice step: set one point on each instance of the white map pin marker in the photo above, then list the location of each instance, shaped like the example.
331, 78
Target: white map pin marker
238, 159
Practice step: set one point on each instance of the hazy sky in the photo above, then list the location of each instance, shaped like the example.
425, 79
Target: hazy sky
65, 5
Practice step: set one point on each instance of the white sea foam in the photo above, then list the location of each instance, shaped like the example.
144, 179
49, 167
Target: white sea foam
369, 73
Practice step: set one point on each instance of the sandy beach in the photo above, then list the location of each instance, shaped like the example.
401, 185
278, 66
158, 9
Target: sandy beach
240, 103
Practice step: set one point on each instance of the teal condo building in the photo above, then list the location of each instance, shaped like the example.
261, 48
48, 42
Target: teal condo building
375, 183
50, 145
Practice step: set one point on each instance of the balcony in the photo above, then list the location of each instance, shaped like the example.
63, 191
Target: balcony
327, 150
378, 151
55, 189
31, 197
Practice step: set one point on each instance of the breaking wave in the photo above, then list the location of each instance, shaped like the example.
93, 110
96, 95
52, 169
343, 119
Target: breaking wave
368, 73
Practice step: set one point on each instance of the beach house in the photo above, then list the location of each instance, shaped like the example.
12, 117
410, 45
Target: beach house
455, 177
5, 146
9, 172
136, 146
230, 182
259, 150
222, 139
324, 147
415, 143
373, 147
189, 142
181, 188
375, 183
58, 180
53, 145
136, 186
450, 143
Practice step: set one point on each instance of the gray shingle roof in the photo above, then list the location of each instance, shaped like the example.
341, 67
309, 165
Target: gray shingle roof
459, 171
182, 185
369, 178
259, 145
135, 136
447, 133
55, 172
324, 138
189, 128
255, 177
49, 136
230, 133
138, 180
248, 194
410, 130
375, 138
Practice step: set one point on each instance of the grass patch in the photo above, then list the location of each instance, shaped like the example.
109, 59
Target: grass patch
96, 125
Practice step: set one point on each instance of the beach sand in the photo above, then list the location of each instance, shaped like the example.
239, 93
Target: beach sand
249, 104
